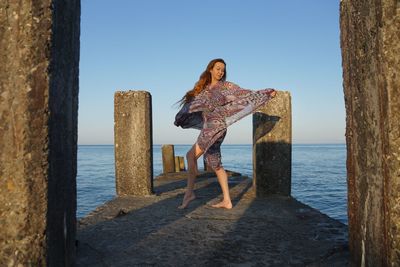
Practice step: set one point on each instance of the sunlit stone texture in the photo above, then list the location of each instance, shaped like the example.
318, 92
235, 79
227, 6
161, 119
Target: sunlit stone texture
133, 143
370, 43
168, 158
39, 65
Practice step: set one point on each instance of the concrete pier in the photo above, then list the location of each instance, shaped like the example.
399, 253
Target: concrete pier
133, 143
168, 158
272, 147
39, 70
151, 231
370, 42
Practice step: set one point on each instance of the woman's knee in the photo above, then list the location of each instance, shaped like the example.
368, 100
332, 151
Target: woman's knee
198, 151
218, 168
195, 152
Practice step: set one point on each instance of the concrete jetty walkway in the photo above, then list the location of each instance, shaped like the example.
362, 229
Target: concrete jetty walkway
151, 231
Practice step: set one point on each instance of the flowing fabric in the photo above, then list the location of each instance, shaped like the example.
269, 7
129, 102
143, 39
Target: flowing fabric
216, 108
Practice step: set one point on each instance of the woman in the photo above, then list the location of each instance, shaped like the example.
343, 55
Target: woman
211, 106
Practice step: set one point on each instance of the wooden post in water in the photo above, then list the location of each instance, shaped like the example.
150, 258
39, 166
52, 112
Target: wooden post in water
133, 143
168, 158
370, 43
39, 72
272, 147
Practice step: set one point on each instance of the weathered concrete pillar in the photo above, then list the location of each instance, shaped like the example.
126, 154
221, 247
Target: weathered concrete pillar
177, 165
168, 158
39, 55
370, 42
182, 163
272, 147
133, 139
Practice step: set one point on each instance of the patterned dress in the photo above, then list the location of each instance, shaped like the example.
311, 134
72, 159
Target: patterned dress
213, 110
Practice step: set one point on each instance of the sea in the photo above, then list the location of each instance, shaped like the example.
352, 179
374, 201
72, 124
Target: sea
318, 174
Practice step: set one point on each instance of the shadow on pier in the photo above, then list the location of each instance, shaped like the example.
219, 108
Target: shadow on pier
151, 231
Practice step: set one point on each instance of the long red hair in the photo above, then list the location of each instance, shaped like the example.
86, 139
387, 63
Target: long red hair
204, 80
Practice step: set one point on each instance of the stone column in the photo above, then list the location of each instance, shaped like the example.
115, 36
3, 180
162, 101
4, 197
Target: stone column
133, 143
370, 42
177, 164
168, 158
272, 147
182, 163
39, 55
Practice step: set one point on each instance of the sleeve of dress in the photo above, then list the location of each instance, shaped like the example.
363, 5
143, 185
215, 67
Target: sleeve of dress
242, 102
201, 102
186, 119
233, 92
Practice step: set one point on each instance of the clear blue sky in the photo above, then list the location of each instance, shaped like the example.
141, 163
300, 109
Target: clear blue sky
162, 46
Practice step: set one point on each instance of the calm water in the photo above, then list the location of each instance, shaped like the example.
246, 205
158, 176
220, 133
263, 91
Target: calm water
318, 174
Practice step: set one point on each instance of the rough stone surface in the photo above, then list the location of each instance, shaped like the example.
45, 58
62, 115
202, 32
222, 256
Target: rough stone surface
272, 147
39, 55
181, 163
151, 231
133, 143
168, 158
177, 165
370, 42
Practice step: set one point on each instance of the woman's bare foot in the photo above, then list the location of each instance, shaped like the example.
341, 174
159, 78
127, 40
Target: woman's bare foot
187, 199
225, 204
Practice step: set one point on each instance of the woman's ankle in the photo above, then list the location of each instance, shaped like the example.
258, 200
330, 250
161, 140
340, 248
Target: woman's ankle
189, 192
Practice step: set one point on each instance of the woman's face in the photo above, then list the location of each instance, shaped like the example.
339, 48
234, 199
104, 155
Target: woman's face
218, 71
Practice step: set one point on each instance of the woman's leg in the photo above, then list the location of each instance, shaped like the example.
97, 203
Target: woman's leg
223, 182
192, 155
213, 159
